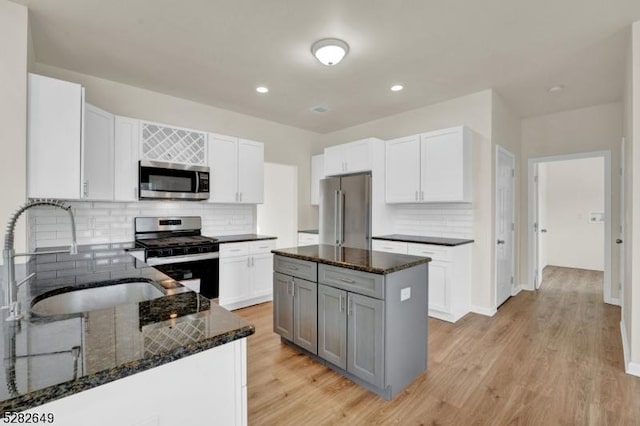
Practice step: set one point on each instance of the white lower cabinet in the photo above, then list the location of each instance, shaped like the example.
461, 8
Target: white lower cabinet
306, 239
449, 275
245, 273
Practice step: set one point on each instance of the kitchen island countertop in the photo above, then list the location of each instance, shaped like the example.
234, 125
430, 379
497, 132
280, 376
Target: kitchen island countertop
375, 262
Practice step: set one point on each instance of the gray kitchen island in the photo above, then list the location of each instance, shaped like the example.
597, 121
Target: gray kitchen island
362, 313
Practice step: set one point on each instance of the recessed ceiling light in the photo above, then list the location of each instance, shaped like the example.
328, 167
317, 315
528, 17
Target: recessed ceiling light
262, 89
330, 51
397, 87
556, 88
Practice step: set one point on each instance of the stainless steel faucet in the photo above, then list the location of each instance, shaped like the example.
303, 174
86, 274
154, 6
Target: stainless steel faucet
9, 253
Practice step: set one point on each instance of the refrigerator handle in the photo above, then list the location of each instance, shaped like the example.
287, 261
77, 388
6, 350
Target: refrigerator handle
336, 217
339, 218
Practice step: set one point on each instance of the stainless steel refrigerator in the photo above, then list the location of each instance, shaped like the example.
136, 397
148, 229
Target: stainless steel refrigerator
345, 211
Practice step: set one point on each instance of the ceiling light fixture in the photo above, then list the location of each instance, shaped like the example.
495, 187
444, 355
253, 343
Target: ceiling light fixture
556, 88
397, 87
330, 51
262, 89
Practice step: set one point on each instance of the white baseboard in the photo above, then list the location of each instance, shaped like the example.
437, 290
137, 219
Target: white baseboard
489, 312
612, 301
516, 290
632, 368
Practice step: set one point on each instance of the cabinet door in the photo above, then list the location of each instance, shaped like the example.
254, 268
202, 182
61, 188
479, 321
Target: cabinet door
126, 157
402, 179
250, 172
358, 156
283, 305
305, 315
234, 280
439, 286
444, 162
97, 164
55, 111
332, 325
365, 331
223, 165
334, 160
317, 173
261, 276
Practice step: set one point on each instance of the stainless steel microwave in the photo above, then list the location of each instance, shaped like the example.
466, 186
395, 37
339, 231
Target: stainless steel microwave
171, 181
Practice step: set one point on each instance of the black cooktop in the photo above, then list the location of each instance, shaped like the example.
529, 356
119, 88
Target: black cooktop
170, 242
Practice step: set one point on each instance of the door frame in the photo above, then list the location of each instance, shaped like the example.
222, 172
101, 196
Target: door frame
532, 204
500, 149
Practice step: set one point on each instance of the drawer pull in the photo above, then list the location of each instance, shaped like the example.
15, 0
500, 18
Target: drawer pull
292, 268
234, 250
346, 280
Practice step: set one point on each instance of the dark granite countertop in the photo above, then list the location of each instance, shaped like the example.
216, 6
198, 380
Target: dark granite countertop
375, 262
242, 238
309, 231
439, 241
50, 357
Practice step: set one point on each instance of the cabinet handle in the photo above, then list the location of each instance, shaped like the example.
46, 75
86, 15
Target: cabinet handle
421, 195
341, 303
293, 288
346, 280
135, 192
292, 268
252, 262
237, 196
350, 310
416, 195
248, 262
85, 188
241, 197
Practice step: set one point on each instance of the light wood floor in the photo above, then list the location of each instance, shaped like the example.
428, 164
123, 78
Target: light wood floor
551, 357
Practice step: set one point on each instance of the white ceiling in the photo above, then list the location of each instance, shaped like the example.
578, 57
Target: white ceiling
217, 51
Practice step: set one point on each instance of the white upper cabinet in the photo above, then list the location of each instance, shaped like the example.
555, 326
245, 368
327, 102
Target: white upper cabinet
55, 133
223, 168
317, 173
402, 158
98, 154
236, 170
250, 172
434, 167
348, 158
446, 165
126, 157
161, 142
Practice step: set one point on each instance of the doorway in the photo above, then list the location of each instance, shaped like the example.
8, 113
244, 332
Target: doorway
278, 215
570, 215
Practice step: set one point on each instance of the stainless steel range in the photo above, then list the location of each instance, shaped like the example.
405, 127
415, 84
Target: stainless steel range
175, 246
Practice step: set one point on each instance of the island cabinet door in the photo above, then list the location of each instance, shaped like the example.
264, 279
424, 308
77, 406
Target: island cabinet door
365, 331
305, 315
332, 325
283, 305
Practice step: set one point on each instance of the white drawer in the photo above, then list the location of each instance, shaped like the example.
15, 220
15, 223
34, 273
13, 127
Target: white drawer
389, 246
435, 252
234, 249
262, 246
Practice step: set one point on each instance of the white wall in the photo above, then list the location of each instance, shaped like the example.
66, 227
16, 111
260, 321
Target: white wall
278, 215
474, 111
569, 191
582, 130
283, 144
13, 114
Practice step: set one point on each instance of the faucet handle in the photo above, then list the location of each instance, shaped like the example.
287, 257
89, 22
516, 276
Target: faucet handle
73, 248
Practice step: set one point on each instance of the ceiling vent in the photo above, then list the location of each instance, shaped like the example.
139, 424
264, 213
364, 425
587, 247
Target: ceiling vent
320, 109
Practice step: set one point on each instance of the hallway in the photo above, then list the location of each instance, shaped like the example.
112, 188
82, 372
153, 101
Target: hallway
548, 357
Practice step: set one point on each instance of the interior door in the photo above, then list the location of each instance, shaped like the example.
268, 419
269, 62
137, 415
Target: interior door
505, 205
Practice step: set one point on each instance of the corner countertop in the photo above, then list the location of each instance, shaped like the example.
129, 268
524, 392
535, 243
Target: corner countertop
240, 238
57, 356
308, 231
439, 241
375, 262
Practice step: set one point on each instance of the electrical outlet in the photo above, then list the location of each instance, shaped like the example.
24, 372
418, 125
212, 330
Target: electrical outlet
405, 294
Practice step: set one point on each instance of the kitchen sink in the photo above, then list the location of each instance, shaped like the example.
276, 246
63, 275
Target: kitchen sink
101, 296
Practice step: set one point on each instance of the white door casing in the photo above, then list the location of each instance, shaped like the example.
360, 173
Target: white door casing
620, 239
505, 226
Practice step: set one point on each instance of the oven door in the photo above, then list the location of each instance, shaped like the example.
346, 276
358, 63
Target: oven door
158, 180
198, 275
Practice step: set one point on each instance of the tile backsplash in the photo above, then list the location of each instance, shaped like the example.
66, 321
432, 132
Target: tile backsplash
451, 220
105, 222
